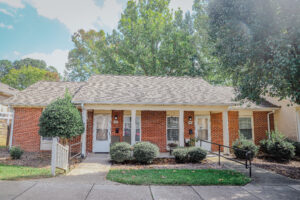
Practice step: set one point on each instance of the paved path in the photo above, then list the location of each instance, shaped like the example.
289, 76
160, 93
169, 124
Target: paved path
88, 182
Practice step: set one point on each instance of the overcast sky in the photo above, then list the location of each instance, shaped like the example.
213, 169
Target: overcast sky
42, 29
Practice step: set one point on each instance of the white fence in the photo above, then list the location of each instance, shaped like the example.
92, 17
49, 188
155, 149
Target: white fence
59, 157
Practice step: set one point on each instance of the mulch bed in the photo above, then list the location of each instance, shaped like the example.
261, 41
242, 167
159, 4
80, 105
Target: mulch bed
32, 159
168, 163
290, 169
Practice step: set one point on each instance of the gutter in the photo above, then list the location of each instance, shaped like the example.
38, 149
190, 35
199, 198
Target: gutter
268, 117
12, 127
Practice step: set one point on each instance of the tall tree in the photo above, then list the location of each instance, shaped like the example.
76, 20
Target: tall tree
27, 75
257, 43
150, 39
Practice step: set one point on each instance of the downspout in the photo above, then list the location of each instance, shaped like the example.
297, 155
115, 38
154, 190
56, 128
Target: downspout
268, 117
83, 136
12, 127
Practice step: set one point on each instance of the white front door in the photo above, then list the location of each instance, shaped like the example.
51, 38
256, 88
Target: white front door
101, 133
203, 131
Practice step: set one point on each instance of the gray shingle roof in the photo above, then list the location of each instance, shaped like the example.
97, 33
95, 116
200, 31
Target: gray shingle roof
42, 93
7, 90
112, 89
152, 90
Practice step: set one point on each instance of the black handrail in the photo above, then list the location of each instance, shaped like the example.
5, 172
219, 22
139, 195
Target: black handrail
248, 164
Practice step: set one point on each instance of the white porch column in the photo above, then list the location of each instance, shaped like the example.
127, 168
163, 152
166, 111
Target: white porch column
11, 129
181, 128
83, 136
133, 127
225, 131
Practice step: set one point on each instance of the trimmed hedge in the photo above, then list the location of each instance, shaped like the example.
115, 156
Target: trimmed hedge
277, 147
189, 154
16, 152
296, 144
242, 145
120, 152
145, 152
196, 154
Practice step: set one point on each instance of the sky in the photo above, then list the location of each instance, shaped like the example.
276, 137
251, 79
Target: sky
42, 29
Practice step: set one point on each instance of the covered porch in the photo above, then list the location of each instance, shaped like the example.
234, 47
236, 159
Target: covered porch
158, 124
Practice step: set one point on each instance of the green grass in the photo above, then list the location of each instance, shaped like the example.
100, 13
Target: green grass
178, 177
13, 172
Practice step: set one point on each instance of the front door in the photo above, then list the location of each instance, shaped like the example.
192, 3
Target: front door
203, 131
101, 133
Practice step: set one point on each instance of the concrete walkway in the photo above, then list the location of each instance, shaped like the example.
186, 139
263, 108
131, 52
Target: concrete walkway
88, 181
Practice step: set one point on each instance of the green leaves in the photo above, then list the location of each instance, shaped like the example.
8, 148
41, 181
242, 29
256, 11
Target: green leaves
257, 43
61, 119
150, 40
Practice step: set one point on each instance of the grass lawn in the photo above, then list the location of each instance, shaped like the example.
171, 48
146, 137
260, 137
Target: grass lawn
13, 172
178, 177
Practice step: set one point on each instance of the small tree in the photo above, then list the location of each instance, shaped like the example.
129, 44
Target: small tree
61, 119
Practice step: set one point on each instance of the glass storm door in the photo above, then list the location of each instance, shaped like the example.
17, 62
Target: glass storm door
203, 131
101, 133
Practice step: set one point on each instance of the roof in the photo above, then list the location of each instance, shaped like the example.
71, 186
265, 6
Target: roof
246, 104
42, 93
7, 90
112, 89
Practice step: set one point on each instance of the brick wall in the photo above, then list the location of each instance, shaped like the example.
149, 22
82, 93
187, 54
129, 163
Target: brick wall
89, 131
188, 126
154, 128
26, 129
233, 126
216, 130
261, 125
119, 125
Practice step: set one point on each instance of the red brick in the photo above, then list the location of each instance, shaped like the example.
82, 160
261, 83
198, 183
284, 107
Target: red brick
119, 125
216, 130
188, 126
233, 126
89, 131
261, 125
154, 128
26, 128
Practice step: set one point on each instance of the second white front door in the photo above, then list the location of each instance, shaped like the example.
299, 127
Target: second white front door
203, 131
101, 133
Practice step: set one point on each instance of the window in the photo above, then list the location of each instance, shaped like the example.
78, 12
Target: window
127, 128
245, 126
172, 129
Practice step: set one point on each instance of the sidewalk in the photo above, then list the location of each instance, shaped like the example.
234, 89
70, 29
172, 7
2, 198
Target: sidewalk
88, 182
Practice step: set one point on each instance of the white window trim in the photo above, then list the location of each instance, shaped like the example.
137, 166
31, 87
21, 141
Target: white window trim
135, 127
168, 141
252, 125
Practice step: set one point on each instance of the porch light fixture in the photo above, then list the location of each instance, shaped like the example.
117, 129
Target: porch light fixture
190, 118
116, 117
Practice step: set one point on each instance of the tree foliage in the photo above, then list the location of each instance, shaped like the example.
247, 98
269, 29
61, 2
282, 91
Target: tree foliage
26, 76
257, 43
151, 39
61, 119
23, 73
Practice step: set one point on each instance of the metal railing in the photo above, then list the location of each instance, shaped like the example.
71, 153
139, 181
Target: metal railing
71, 155
247, 163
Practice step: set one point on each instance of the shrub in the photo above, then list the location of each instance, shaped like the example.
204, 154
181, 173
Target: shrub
189, 154
296, 145
145, 152
120, 152
196, 154
277, 147
181, 155
16, 152
61, 119
242, 145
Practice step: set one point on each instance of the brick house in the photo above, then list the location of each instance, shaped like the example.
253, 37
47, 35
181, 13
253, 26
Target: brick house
161, 110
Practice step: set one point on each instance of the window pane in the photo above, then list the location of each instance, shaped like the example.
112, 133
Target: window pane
101, 134
245, 123
247, 133
172, 122
173, 134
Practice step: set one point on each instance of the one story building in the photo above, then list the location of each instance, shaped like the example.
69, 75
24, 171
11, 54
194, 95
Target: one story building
161, 110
